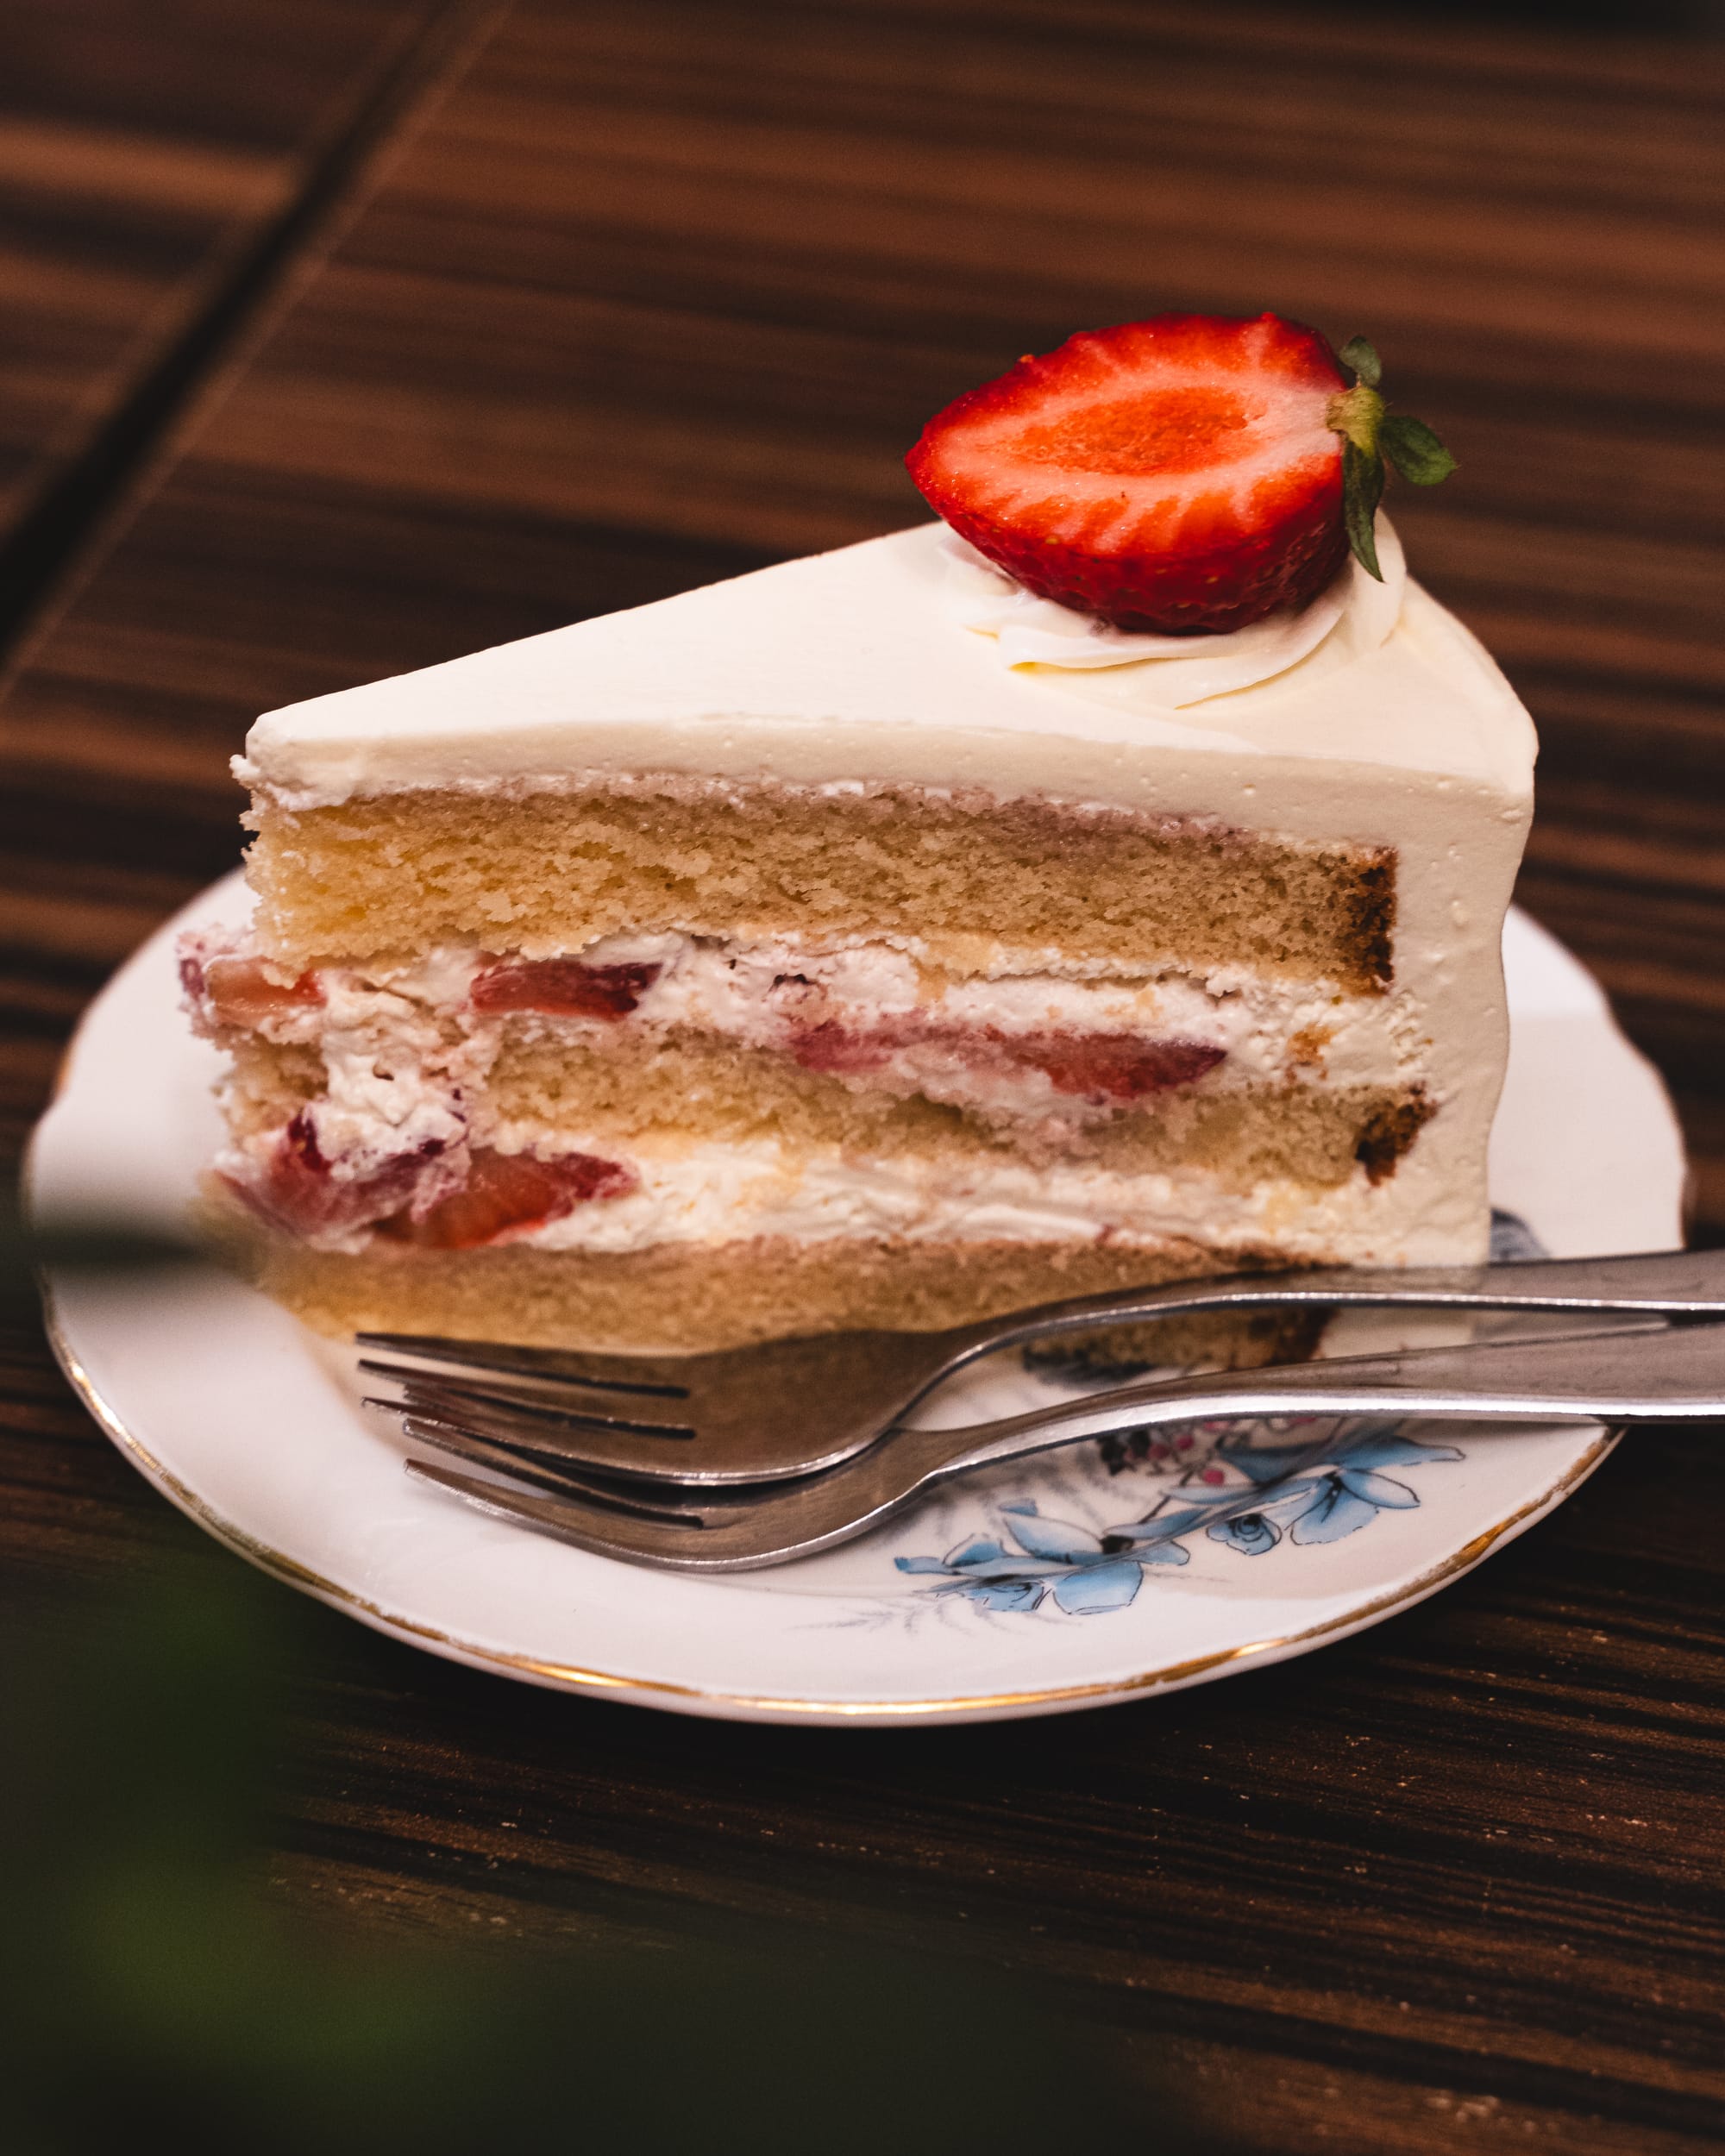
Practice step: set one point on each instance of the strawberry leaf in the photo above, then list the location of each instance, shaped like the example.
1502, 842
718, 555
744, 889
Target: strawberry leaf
1370, 433
1414, 450
1363, 359
1362, 486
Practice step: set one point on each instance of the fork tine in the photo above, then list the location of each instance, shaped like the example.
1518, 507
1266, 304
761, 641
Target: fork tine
541, 1441
480, 1452
518, 1508
608, 1373
433, 1387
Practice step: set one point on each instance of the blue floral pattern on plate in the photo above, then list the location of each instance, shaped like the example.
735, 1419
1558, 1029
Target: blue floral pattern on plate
1079, 1571
1083, 1573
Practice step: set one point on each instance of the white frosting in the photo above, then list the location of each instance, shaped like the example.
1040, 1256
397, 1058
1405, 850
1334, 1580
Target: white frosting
845, 668
1170, 672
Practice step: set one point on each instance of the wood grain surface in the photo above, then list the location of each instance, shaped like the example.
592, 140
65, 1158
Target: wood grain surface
625, 299
158, 159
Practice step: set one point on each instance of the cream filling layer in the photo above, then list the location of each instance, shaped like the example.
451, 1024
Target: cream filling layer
719, 1194
407, 1056
762, 994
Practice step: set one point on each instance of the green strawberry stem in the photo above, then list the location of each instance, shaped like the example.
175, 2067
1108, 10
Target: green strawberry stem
1370, 433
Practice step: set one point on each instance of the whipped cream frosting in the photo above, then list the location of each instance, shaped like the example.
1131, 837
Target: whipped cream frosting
847, 669
1171, 671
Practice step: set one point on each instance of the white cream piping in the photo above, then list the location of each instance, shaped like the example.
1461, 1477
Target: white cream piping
1173, 672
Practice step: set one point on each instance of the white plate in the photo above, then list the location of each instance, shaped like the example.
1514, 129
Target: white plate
997, 1600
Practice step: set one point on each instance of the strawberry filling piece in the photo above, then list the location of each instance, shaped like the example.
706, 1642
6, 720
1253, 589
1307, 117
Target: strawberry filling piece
238, 992
507, 1194
412, 1200
300, 1191
562, 987
1119, 1067
1102, 1068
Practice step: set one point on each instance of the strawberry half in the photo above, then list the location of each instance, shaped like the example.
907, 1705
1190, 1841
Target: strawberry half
1187, 474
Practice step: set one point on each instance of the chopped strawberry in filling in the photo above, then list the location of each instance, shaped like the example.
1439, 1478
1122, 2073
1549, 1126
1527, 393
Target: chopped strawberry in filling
1101, 1067
562, 987
507, 1193
1116, 1066
410, 1201
300, 1191
238, 992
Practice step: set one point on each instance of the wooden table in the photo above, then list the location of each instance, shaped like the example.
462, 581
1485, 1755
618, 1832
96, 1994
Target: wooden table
514, 313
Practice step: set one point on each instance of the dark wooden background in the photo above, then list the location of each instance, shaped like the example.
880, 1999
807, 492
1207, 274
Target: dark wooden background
344, 336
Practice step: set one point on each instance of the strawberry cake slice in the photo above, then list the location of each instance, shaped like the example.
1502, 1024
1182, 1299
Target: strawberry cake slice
1102, 885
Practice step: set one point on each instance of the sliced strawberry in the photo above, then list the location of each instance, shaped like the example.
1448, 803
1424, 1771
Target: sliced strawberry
298, 1191
1103, 1066
1178, 475
238, 991
507, 1194
849, 1050
1117, 1066
562, 987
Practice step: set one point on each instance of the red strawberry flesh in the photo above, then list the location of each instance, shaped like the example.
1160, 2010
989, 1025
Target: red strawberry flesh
503, 1195
1177, 474
1099, 1067
1118, 1067
300, 1191
1165, 431
562, 987
507, 1193
238, 991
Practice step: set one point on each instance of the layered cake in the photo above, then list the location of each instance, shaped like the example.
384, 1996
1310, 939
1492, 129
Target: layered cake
1100, 886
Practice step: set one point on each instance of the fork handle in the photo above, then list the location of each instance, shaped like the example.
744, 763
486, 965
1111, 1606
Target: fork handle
1645, 1375
1676, 1283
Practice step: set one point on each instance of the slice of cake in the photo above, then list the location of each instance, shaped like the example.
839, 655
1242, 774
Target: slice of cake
908, 933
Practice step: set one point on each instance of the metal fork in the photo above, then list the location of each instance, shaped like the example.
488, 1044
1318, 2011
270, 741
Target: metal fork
795, 1407
1641, 1373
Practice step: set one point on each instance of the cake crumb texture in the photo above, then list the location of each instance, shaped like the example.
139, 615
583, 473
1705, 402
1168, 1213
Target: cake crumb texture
688, 1297
703, 1088
546, 872
688, 1087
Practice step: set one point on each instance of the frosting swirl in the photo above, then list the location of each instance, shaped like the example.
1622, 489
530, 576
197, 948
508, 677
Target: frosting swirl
1173, 672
